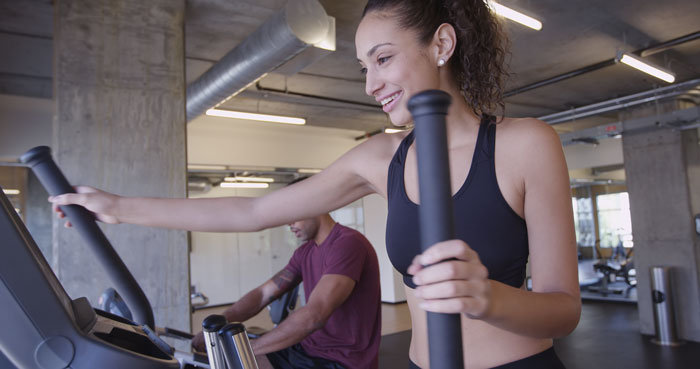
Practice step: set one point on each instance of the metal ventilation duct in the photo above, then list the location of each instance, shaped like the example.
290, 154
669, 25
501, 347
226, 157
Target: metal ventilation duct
300, 24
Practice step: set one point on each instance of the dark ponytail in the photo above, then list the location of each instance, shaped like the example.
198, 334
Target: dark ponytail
478, 61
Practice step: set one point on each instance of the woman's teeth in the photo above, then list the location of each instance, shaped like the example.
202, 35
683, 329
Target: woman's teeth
390, 98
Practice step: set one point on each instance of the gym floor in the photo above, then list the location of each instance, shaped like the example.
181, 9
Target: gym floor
607, 337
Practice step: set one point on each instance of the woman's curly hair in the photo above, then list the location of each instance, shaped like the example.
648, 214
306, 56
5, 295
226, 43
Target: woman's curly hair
478, 61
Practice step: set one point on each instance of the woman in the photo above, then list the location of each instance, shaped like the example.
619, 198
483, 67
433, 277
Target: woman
511, 200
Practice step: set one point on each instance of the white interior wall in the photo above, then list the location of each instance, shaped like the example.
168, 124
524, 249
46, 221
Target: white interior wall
225, 266
375, 208
214, 140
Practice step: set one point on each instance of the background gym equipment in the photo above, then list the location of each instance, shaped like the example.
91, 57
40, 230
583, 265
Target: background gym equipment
609, 278
279, 310
197, 299
429, 109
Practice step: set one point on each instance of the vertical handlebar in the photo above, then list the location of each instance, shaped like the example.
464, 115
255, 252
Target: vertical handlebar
429, 109
44, 167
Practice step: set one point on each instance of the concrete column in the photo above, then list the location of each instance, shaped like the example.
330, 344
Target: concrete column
119, 125
663, 179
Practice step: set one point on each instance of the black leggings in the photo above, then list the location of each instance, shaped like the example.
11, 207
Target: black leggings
546, 359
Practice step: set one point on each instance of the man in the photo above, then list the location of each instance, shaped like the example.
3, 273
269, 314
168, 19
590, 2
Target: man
339, 327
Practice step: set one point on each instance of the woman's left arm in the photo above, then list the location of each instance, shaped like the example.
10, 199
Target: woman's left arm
553, 307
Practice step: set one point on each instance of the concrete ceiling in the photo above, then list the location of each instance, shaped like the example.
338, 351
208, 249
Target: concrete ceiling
576, 33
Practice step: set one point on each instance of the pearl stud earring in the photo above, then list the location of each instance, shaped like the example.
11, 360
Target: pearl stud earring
441, 62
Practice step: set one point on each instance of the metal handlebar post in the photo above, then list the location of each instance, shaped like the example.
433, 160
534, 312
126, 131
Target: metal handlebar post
211, 326
236, 347
429, 109
44, 167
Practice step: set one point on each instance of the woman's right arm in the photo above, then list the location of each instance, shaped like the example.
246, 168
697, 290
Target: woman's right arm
351, 177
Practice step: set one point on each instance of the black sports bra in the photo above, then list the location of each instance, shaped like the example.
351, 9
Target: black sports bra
483, 219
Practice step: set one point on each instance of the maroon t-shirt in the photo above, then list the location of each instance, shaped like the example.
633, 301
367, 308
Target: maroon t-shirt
352, 333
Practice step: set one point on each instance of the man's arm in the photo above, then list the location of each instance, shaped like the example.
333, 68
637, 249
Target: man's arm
251, 303
254, 301
330, 292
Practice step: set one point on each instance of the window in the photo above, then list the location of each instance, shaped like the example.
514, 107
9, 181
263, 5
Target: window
614, 221
583, 221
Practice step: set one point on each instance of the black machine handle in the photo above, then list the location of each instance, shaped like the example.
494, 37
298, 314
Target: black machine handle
429, 109
42, 164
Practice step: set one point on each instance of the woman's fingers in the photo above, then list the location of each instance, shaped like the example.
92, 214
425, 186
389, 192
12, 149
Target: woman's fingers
68, 199
450, 270
451, 279
473, 307
446, 250
450, 249
415, 266
101, 204
452, 289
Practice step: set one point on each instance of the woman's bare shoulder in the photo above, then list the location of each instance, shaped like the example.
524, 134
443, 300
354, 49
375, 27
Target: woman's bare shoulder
520, 136
527, 147
525, 129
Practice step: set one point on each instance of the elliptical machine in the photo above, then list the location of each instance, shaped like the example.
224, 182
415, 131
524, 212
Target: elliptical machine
44, 328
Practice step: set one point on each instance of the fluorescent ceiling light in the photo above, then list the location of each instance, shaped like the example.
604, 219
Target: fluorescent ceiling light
309, 171
243, 185
249, 179
645, 67
254, 116
10, 191
393, 130
206, 167
515, 16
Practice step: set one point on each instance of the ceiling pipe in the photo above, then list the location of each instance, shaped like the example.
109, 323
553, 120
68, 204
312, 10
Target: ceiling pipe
669, 44
300, 24
318, 97
620, 102
593, 67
